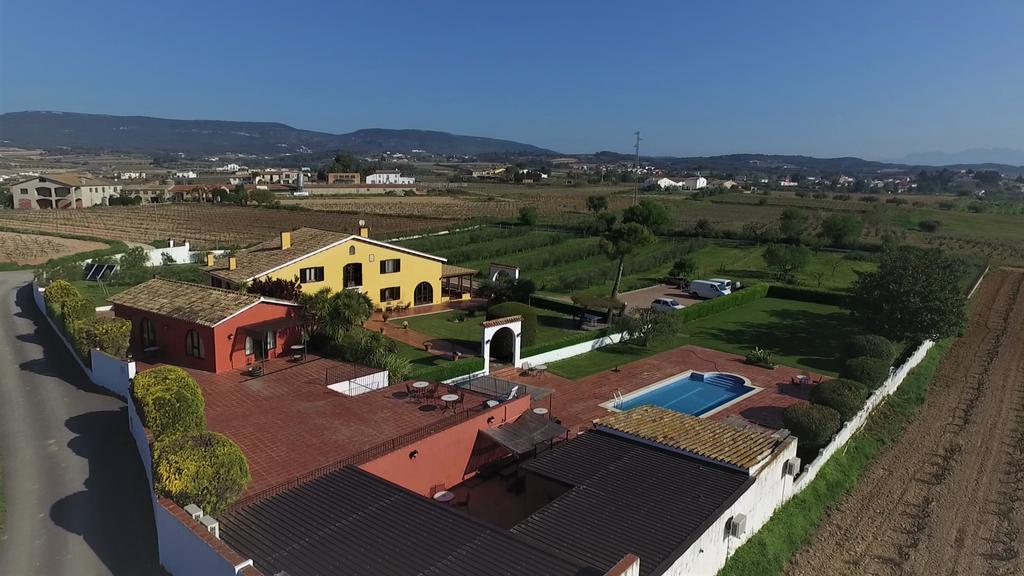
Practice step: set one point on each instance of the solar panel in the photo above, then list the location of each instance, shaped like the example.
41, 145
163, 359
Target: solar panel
98, 271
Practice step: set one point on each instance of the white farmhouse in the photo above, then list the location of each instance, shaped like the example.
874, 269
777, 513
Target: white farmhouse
59, 191
390, 177
694, 183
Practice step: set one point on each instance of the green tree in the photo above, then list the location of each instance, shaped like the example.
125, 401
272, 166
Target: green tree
792, 223
914, 294
276, 288
645, 325
621, 241
528, 215
841, 229
597, 203
786, 260
331, 315
506, 289
649, 214
685, 267
263, 197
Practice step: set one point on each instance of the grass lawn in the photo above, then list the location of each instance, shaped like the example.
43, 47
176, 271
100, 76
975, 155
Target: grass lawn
551, 327
801, 334
93, 291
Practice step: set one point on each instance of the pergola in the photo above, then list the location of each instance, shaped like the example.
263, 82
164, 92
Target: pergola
464, 283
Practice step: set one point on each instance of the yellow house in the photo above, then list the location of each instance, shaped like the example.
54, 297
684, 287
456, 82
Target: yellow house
392, 276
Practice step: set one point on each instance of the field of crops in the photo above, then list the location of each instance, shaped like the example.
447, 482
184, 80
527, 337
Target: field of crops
562, 263
205, 225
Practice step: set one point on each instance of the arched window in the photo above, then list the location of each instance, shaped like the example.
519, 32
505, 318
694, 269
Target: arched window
148, 333
248, 346
271, 339
351, 250
194, 345
352, 275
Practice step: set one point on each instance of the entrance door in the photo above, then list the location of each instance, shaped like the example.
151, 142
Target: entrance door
259, 349
424, 294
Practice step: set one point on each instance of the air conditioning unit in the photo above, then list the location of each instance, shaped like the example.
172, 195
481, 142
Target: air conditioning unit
736, 525
195, 512
211, 524
791, 467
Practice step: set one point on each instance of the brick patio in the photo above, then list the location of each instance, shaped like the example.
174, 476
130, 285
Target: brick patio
288, 423
577, 402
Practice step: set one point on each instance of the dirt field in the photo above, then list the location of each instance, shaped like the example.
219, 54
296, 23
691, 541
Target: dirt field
948, 497
34, 249
205, 225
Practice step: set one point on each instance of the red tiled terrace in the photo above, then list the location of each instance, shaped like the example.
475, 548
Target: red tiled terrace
288, 423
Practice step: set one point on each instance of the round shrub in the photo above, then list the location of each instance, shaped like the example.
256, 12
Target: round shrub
529, 314
870, 372
147, 383
813, 425
171, 411
845, 396
204, 468
871, 346
57, 293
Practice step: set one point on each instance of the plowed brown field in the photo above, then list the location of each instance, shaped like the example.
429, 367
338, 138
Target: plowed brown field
948, 497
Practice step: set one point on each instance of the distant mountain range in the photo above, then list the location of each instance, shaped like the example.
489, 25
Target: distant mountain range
55, 130
971, 156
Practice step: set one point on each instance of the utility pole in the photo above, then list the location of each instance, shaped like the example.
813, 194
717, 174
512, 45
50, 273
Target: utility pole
636, 172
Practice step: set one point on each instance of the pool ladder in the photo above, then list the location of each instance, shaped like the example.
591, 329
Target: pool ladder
617, 399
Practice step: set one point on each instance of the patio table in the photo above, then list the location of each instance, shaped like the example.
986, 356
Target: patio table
450, 400
444, 496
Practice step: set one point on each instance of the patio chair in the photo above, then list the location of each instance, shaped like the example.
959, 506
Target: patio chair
462, 500
435, 489
410, 391
431, 392
527, 367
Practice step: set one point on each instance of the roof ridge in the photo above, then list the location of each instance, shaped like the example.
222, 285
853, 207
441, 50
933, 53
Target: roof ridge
206, 286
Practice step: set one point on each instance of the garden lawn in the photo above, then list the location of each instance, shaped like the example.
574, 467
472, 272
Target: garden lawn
801, 334
551, 327
93, 291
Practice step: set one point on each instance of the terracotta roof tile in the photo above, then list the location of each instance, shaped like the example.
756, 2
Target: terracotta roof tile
710, 439
501, 321
196, 303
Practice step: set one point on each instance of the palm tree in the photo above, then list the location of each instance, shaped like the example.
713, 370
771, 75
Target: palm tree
331, 315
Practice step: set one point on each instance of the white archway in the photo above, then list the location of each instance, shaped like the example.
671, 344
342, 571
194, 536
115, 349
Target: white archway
502, 269
492, 327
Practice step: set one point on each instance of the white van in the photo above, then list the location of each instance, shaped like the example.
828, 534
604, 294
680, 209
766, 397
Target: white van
708, 289
723, 282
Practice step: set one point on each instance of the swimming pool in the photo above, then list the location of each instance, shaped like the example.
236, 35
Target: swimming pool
691, 392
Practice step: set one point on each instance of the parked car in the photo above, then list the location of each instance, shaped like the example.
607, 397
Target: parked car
708, 289
666, 305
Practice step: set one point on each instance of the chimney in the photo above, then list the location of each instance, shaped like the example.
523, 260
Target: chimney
286, 240
364, 230
209, 259
232, 263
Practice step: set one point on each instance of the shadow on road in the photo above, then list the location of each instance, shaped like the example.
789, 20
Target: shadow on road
114, 513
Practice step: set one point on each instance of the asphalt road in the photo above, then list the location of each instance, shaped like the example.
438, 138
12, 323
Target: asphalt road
76, 492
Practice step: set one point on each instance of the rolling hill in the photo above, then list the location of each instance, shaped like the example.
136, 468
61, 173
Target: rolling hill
58, 130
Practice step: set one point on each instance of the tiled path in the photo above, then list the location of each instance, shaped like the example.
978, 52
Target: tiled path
577, 402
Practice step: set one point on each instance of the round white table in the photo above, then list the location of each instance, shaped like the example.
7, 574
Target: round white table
540, 411
444, 496
421, 385
450, 400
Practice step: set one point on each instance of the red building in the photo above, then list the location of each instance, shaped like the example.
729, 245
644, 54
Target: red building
206, 328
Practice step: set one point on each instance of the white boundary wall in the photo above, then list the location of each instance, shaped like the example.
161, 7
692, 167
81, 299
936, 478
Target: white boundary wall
573, 350
361, 385
182, 552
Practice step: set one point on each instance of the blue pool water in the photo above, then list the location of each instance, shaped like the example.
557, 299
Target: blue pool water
695, 393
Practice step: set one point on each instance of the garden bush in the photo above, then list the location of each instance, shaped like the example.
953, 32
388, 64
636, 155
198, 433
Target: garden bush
56, 294
812, 424
77, 309
871, 346
202, 468
761, 357
529, 315
868, 371
171, 411
845, 396
147, 383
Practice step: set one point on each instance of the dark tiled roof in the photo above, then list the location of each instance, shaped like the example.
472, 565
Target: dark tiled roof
628, 497
196, 303
351, 522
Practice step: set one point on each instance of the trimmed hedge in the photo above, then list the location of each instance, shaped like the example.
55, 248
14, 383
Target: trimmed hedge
869, 371
203, 468
872, 347
812, 424
723, 303
506, 309
555, 305
812, 295
563, 342
56, 294
845, 396
450, 370
110, 335
147, 384
171, 411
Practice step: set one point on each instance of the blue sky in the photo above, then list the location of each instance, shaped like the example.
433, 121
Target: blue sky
866, 78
